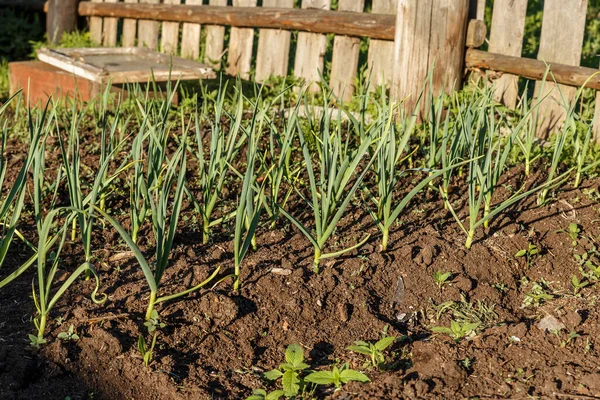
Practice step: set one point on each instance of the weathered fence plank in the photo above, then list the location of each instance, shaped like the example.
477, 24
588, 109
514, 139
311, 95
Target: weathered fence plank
190, 36
95, 26
381, 52
563, 26
310, 50
61, 18
239, 57
428, 34
273, 47
477, 9
506, 37
109, 29
129, 29
344, 63
170, 33
148, 30
215, 37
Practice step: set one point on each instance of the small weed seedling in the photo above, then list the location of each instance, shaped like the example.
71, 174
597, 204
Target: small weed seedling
290, 371
145, 350
374, 351
573, 231
529, 253
261, 394
539, 294
457, 330
578, 284
154, 322
337, 376
70, 335
442, 278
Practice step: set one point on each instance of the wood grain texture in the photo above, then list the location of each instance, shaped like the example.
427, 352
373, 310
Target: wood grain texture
95, 26
190, 36
429, 33
568, 75
239, 56
344, 62
506, 37
316, 20
129, 29
215, 38
476, 33
563, 26
109, 29
381, 52
170, 33
273, 47
148, 30
310, 50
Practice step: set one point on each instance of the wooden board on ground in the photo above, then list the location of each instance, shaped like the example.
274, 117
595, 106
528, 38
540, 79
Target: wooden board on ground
310, 50
215, 37
170, 33
129, 29
190, 36
148, 30
239, 58
381, 52
506, 37
123, 65
344, 63
273, 47
563, 26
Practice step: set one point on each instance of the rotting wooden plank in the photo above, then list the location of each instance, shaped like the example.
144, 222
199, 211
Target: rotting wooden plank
109, 29
310, 50
563, 26
215, 37
95, 26
344, 63
170, 33
506, 37
190, 36
381, 52
273, 47
129, 29
148, 30
239, 56
377, 26
429, 34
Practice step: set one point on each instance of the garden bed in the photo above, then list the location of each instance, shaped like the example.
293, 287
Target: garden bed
217, 343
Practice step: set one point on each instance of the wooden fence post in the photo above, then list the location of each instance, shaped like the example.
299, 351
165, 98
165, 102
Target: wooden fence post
429, 33
61, 18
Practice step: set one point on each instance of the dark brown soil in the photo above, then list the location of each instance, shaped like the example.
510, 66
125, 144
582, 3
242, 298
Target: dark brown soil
217, 343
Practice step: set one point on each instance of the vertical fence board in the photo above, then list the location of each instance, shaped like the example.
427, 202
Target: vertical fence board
190, 36
477, 9
109, 29
310, 50
170, 33
563, 26
215, 36
129, 29
506, 37
381, 52
96, 27
273, 47
344, 63
148, 30
428, 33
239, 57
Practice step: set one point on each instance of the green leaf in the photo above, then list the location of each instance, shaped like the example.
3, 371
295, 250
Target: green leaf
257, 394
320, 378
385, 342
359, 349
520, 253
294, 354
273, 374
348, 375
290, 383
275, 395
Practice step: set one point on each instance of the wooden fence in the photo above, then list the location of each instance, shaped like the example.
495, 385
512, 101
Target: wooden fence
405, 39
